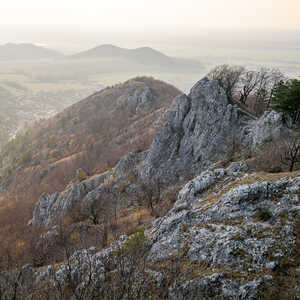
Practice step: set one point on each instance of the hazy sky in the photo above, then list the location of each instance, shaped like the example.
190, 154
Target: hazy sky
180, 27
166, 14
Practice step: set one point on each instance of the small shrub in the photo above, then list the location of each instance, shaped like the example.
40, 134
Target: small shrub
276, 169
80, 175
54, 154
76, 215
263, 214
26, 158
136, 242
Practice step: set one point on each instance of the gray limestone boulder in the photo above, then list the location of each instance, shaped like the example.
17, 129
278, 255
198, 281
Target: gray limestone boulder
267, 128
128, 162
138, 98
240, 230
196, 187
51, 207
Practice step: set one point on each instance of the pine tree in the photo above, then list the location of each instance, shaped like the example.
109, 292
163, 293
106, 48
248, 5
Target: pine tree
287, 99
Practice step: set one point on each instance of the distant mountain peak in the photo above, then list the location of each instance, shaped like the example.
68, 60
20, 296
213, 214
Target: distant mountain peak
23, 51
107, 46
145, 55
141, 60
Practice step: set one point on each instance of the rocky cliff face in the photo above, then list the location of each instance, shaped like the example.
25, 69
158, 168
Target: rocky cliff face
137, 98
200, 129
51, 207
267, 128
203, 128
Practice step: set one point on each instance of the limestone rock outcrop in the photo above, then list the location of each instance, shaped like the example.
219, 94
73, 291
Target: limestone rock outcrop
267, 128
238, 231
137, 98
200, 129
51, 207
247, 230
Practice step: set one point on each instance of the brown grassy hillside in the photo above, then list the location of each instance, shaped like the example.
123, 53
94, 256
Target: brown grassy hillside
92, 135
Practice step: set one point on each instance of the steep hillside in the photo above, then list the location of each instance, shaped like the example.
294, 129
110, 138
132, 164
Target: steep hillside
115, 118
92, 134
12, 51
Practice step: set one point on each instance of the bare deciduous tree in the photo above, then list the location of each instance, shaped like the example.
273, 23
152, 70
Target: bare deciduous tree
13, 280
249, 82
79, 287
151, 194
268, 80
291, 152
228, 77
276, 76
240, 83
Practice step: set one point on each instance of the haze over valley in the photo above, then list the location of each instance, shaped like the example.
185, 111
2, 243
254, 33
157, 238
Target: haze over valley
37, 82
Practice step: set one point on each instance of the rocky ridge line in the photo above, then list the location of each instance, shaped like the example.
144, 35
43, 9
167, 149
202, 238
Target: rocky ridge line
200, 129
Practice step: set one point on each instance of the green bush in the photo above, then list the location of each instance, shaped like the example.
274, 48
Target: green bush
263, 214
26, 158
287, 99
276, 169
81, 175
135, 244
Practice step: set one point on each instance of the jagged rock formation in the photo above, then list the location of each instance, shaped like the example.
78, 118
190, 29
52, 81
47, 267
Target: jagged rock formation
248, 208
247, 230
203, 128
137, 98
233, 237
200, 129
267, 128
51, 207
187, 195
128, 162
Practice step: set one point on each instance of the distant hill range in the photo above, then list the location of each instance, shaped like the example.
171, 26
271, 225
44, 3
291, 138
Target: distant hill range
143, 60
143, 56
12, 51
